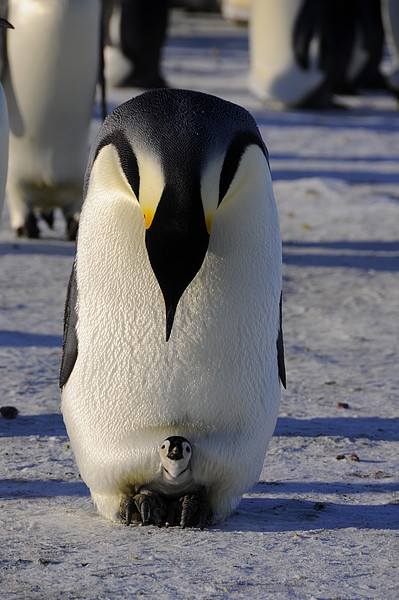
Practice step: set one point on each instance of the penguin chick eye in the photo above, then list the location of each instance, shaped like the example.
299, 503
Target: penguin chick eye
163, 447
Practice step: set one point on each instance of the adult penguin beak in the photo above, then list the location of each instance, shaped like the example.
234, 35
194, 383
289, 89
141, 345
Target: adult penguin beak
176, 242
5, 23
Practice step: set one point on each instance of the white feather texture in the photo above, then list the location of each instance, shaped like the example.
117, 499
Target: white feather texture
50, 86
215, 382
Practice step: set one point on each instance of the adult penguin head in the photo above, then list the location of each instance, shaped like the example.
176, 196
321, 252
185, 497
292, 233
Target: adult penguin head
168, 141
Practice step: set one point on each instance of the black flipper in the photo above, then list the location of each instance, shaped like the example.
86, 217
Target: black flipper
70, 342
280, 348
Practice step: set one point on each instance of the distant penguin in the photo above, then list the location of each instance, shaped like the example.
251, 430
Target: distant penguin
50, 85
3, 135
173, 314
275, 74
390, 16
299, 49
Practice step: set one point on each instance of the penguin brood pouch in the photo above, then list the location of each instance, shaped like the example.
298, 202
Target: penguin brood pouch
173, 350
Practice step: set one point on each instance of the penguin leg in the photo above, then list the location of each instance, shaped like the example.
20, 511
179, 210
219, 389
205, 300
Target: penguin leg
29, 229
48, 217
151, 507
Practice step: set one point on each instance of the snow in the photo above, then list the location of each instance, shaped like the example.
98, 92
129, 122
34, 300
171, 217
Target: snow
315, 526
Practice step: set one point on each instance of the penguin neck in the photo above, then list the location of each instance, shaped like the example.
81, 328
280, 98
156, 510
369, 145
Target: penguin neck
164, 483
183, 476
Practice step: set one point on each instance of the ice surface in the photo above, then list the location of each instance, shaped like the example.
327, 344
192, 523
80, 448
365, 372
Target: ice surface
314, 526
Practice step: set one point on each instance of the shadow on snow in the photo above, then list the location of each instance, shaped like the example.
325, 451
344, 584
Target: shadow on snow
364, 255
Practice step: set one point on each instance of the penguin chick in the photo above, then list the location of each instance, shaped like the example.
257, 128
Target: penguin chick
173, 497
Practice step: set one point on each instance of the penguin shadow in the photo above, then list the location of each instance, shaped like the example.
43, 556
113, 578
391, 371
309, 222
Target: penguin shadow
370, 173
43, 247
383, 119
23, 339
372, 428
48, 424
13, 489
260, 513
373, 254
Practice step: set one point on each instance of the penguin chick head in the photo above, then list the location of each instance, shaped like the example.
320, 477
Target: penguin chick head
175, 453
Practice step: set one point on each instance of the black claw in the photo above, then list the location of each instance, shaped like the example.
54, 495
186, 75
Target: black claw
158, 516
190, 504
151, 508
144, 508
127, 511
174, 513
205, 516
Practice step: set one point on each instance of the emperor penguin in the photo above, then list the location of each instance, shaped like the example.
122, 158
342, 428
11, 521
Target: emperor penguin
299, 50
3, 134
390, 16
172, 331
50, 85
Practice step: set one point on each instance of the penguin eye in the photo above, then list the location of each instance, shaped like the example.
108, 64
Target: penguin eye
188, 449
163, 447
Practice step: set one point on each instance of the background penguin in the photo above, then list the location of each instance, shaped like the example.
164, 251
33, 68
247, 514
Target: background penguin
275, 74
390, 17
3, 134
133, 53
50, 85
173, 313
300, 50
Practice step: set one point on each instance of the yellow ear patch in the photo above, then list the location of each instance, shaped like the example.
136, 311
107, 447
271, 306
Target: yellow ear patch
152, 183
210, 189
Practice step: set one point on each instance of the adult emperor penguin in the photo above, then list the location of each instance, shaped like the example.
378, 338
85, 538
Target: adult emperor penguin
3, 134
299, 50
173, 313
50, 84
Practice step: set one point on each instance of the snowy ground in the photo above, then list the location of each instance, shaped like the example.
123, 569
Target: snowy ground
315, 526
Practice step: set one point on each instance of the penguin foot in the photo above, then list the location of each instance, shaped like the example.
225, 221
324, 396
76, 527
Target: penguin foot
128, 511
148, 508
195, 512
151, 508
29, 229
190, 510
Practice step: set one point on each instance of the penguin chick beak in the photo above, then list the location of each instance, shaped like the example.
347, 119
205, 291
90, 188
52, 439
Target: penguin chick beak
6, 24
175, 454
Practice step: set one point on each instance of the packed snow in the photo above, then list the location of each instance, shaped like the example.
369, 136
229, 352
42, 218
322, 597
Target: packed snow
323, 520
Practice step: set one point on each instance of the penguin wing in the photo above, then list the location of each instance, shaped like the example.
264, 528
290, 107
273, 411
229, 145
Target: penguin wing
280, 348
70, 341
